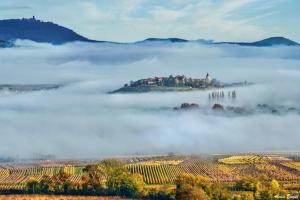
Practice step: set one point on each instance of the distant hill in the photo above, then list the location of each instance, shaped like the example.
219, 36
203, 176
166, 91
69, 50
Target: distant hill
2, 43
275, 41
172, 40
272, 41
37, 31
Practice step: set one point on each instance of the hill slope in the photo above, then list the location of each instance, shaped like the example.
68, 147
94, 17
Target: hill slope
171, 40
275, 41
37, 31
272, 41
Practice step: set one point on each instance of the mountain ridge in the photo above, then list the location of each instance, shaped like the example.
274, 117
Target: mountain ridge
38, 31
271, 41
49, 32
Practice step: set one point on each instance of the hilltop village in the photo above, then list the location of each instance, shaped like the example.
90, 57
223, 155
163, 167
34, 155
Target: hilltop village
174, 83
177, 81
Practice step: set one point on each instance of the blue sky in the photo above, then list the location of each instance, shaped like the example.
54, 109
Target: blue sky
131, 20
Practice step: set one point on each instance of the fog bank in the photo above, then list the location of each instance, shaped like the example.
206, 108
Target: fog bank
81, 120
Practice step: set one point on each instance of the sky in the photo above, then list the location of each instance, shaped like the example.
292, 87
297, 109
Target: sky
133, 20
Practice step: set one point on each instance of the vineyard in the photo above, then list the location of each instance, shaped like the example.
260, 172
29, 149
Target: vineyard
15, 178
156, 173
245, 159
293, 165
45, 197
164, 170
228, 169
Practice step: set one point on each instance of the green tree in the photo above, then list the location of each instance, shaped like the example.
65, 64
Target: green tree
188, 188
131, 185
61, 182
32, 186
160, 194
103, 178
218, 192
94, 179
114, 172
272, 190
247, 184
111, 177
47, 185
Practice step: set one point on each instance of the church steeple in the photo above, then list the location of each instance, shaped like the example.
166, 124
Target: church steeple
208, 78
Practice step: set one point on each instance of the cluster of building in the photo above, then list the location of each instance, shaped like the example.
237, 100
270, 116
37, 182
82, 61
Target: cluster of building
221, 95
175, 81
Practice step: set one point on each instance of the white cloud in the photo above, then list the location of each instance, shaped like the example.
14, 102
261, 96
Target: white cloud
91, 11
165, 15
203, 19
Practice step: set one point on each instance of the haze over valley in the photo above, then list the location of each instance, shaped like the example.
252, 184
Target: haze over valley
81, 120
156, 100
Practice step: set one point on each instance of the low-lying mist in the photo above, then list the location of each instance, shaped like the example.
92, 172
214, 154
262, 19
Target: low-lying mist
81, 120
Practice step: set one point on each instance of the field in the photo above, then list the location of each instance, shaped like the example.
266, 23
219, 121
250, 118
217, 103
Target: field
165, 169
15, 177
227, 169
293, 165
244, 159
45, 197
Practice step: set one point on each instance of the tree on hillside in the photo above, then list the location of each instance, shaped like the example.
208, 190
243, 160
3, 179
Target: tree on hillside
94, 179
219, 192
32, 186
161, 193
47, 185
114, 172
188, 188
111, 177
272, 190
131, 185
247, 184
61, 182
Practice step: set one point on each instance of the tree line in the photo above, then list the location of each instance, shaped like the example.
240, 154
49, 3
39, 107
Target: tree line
110, 178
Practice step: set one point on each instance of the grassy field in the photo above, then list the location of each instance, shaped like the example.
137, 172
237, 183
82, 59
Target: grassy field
47, 197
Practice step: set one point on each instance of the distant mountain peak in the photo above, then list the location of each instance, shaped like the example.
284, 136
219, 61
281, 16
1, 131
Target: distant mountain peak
272, 41
37, 30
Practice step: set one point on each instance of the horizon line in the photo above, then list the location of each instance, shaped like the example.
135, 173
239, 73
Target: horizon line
213, 41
